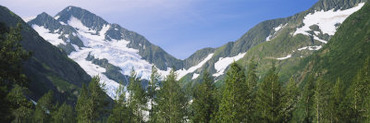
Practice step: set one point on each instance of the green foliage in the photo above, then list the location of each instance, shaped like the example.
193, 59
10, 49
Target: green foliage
320, 101
91, 103
20, 107
44, 107
290, 100
171, 101
121, 113
204, 102
64, 114
233, 105
152, 92
269, 98
11, 56
137, 99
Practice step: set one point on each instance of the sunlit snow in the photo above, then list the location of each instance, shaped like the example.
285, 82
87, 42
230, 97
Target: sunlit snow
310, 48
48, 35
326, 20
286, 57
181, 73
195, 75
222, 63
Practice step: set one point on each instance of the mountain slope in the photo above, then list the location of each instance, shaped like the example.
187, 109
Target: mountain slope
285, 41
48, 68
347, 50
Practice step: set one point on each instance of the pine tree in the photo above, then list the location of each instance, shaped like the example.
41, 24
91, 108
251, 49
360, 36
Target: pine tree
233, 103
251, 81
336, 104
92, 102
121, 113
44, 107
21, 108
269, 98
171, 101
64, 114
204, 100
306, 100
321, 100
290, 100
152, 92
137, 100
358, 91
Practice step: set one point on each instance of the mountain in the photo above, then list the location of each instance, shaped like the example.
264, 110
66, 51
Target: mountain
284, 41
346, 52
111, 51
49, 68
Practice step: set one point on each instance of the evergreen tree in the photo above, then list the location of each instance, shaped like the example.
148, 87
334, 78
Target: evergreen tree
358, 91
171, 101
64, 114
92, 102
306, 100
121, 113
336, 104
321, 99
21, 108
11, 57
269, 98
152, 92
251, 80
137, 100
233, 105
44, 107
204, 101
290, 100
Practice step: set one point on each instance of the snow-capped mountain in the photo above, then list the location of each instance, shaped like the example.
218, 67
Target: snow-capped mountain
111, 51
106, 49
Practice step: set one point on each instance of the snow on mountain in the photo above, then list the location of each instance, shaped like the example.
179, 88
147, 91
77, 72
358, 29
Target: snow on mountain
48, 35
276, 29
26, 19
286, 57
222, 63
182, 72
195, 75
326, 20
310, 48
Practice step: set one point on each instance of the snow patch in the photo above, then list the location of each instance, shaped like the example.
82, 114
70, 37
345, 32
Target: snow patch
49, 36
286, 57
76, 23
222, 63
318, 39
195, 75
326, 20
181, 73
310, 48
57, 17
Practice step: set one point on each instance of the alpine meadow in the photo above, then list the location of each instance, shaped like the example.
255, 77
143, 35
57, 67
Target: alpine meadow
76, 67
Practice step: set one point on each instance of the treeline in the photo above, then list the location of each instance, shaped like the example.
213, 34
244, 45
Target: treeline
244, 97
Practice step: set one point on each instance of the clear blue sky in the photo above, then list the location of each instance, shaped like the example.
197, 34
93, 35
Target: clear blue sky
180, 27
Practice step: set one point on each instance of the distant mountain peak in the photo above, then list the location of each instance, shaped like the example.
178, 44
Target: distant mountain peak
87, 18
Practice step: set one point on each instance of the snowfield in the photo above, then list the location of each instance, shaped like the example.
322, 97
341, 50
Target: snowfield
51, 37
326, 20
223, 63
286, 57
181, 73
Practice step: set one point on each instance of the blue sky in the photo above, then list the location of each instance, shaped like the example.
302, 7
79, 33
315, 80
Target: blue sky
180, 27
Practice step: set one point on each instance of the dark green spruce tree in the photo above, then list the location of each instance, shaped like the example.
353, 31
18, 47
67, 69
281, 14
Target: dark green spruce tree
92, 102
204, 100
121, 113
171, 101
251, 81
11, 57
45, 106
137, 99
321, 101
233, 105
290, 100
64, 114
20, 107
306, 101
152, 92
269, 98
